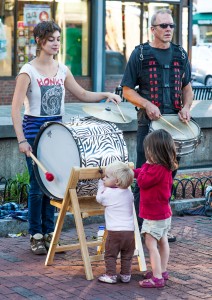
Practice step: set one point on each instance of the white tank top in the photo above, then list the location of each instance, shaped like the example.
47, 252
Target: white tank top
45, 96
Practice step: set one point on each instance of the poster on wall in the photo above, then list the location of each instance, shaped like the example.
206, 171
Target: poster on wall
35, 13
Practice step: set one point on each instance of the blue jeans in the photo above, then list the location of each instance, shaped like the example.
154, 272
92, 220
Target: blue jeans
40, 211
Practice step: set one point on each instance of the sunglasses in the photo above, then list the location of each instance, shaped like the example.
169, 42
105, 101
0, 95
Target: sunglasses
164, 25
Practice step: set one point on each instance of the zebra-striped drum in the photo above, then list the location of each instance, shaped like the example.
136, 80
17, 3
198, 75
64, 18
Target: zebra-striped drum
86, 142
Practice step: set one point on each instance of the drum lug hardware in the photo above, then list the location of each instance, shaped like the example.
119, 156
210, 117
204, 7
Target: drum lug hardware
46, 124
75, 121
101, 171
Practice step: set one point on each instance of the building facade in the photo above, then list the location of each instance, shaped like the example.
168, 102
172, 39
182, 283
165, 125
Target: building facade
97, 36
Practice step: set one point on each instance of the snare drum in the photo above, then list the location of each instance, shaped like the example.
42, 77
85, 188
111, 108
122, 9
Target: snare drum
185, 142
87, 142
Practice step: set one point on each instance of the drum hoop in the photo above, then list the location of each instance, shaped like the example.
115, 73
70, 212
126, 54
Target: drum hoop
35, 167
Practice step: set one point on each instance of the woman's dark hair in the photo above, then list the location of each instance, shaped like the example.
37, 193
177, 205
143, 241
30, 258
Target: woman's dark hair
44, 30
160, 149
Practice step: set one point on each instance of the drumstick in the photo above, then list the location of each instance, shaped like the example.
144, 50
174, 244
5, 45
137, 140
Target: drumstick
187, 123
121, 113
49, 176
170, 124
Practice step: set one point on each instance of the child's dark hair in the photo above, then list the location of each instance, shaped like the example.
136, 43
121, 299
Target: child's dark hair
44, 30
160, 149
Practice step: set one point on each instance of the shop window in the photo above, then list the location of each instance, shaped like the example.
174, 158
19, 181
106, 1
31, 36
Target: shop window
72, 16
122, 33
30, 13
6, 37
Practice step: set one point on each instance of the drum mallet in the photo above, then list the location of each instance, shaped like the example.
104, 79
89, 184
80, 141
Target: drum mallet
49, 176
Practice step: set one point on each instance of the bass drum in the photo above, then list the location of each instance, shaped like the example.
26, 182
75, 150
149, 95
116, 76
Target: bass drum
87, 142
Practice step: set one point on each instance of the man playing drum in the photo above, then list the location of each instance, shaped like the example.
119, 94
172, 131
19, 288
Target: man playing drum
162, 71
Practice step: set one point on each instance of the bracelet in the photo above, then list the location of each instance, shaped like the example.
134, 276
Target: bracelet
21, 142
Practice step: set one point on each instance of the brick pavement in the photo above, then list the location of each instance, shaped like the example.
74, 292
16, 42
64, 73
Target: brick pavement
24, 276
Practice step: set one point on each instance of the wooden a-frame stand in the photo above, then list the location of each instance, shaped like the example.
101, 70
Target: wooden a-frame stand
83, 207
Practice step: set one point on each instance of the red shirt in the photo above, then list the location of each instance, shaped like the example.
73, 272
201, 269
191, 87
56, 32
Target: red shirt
155, 183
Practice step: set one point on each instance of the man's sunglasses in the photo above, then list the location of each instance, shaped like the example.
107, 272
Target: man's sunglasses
164, 25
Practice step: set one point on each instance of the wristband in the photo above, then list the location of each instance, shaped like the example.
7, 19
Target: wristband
21, 142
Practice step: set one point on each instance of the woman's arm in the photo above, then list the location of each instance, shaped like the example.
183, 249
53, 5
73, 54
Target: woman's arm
22, 83
72, 86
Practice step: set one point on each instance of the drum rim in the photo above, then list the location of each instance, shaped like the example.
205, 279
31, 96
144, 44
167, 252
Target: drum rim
35, 167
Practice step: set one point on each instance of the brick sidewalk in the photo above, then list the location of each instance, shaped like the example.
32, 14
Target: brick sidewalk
24, 276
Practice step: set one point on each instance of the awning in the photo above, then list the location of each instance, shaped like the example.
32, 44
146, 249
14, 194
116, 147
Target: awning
202, 19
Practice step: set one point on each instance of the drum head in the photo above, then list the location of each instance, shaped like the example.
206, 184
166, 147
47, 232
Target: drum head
56, 149
186, 136
183, 133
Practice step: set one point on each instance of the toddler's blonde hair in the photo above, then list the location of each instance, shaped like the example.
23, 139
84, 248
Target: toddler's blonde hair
122, 172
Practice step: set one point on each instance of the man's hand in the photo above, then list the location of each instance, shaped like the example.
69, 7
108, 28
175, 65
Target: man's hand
152, 111
184, 114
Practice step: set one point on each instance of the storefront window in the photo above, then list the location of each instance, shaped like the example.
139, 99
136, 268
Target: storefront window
6, 37
72, 16
30, 13
127, 25
122, 33
17, 45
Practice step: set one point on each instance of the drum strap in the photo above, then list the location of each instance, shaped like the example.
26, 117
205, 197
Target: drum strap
161, 83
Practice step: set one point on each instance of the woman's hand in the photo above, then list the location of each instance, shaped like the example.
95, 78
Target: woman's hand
113, 98
25, 148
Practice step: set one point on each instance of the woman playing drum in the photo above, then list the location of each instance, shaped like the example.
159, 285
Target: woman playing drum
41, 85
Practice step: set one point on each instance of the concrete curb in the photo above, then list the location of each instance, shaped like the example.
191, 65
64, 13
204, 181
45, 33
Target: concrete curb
12, 226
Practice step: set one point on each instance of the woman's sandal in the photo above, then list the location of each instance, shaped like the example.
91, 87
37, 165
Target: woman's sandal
152, 283
149, 275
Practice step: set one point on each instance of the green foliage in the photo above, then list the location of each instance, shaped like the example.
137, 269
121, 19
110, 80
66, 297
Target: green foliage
22, 178
16, 188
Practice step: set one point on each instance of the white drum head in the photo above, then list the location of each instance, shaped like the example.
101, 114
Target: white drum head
183, 133
58, 152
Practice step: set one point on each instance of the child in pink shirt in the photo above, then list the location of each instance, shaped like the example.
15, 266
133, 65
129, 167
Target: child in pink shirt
155, 181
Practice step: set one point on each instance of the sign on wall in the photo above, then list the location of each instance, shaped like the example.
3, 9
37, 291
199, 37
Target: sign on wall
35, 13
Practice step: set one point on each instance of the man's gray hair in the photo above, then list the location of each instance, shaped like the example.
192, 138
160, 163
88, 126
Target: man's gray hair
160, 11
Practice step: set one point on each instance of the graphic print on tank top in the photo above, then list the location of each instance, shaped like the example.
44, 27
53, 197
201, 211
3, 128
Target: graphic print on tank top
51, 98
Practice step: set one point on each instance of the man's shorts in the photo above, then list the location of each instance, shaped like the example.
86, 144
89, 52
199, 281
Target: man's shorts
157, 229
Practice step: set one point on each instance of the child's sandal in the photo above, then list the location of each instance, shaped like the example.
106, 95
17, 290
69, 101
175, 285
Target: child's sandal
149, 275
152, 283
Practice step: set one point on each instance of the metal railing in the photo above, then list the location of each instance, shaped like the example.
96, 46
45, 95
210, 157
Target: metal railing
183, 188
200, 92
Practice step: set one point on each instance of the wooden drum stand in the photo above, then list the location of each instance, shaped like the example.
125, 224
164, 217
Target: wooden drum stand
83, 207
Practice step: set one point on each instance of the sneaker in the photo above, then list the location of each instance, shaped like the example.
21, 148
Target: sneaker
37, 244
108, 279
125, 278
48, 239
